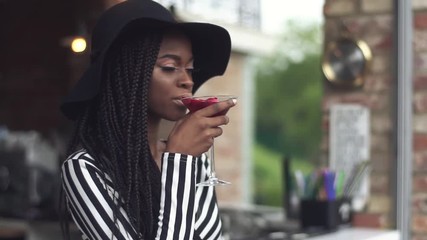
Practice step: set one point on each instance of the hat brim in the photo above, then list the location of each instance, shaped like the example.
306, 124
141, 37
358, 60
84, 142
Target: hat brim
211, 49
211, 46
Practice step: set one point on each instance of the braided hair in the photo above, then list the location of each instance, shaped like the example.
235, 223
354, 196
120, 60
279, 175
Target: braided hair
113, 130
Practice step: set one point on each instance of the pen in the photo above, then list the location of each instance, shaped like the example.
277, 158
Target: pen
329, 179
339, 183
300, 183
311, 185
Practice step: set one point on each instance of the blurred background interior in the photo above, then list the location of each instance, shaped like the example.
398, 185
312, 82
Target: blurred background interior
321, 84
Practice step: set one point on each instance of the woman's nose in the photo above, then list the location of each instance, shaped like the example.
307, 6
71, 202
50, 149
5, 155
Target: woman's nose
186, 81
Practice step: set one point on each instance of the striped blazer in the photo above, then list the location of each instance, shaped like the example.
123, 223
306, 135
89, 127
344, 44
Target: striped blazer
186, 211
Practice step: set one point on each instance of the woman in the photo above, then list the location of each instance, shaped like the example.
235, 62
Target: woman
119, 181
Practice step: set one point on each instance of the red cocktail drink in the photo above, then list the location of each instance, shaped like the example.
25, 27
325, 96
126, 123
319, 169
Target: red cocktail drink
194, 104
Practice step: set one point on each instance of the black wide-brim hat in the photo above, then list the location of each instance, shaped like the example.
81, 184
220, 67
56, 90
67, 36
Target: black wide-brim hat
211, 46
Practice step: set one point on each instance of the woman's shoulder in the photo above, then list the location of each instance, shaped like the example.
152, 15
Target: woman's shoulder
81, 156
80, 159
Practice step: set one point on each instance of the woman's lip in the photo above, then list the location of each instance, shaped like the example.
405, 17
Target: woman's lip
178, 102
185, 96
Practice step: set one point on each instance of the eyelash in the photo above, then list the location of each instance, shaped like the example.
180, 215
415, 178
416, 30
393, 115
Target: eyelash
169, 69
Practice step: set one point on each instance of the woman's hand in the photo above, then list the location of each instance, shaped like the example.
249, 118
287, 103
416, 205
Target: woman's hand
194, 134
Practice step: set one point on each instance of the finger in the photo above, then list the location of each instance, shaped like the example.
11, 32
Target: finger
212, 133
217, 108
216, 132
218, 121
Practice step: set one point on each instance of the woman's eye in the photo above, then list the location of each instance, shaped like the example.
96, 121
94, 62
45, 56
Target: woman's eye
171, 69
168, 69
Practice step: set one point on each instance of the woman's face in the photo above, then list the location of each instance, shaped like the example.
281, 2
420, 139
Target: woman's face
172, 77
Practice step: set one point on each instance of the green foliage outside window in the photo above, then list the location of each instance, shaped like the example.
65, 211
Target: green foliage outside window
288, 107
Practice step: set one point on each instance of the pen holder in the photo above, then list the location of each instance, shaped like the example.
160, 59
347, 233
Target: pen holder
326, 214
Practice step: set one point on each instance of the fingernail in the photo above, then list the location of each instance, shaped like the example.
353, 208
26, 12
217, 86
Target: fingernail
234, 101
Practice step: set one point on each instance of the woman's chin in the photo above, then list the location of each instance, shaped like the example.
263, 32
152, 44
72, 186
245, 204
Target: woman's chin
175, 117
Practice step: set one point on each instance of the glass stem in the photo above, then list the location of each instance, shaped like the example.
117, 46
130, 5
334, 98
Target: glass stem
211, 159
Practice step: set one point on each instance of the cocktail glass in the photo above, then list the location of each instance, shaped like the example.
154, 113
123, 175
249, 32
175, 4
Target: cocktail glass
194, 104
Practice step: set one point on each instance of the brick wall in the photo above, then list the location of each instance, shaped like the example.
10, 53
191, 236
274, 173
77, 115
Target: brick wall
419, 201
373, 22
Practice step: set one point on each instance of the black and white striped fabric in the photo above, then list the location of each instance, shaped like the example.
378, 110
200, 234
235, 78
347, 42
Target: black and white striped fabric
186, 211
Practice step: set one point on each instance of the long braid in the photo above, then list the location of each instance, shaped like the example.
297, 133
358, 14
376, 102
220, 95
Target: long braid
113, 130
139, 147
147, 166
